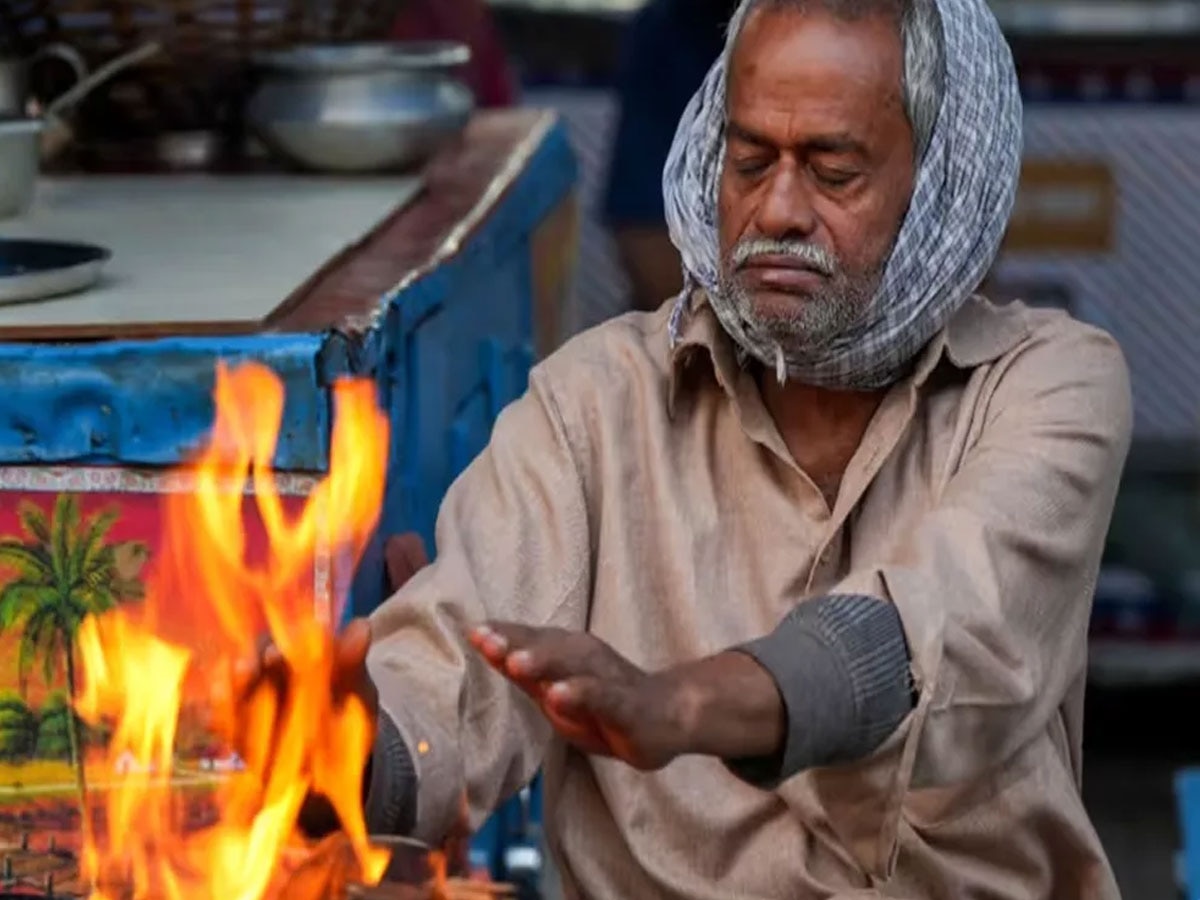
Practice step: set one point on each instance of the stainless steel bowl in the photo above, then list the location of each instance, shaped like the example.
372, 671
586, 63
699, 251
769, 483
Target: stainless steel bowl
360, 108
19, 163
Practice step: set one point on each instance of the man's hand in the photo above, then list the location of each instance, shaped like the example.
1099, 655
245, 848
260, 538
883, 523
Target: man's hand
349, 678
595, 698
725, 706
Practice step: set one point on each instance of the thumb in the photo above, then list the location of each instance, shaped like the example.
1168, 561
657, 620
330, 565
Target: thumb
353, 644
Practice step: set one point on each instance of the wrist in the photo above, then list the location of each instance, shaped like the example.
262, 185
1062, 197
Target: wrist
685, 698
726, 706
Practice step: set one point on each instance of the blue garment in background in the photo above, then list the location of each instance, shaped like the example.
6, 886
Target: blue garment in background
668, 49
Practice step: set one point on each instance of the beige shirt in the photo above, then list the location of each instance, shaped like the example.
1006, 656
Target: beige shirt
645, 494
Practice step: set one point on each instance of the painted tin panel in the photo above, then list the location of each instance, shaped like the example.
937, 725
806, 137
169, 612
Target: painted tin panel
149, 403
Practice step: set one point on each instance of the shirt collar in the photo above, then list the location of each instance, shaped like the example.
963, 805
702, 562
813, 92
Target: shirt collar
979, 333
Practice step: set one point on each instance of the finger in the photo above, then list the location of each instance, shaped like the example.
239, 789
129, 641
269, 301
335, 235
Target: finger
514, 633
271, 657
353, 644
494, 650
579, 730
250, 670
535, 689
532, 687
512, 649
350, 675
547, 654
246, 669
499, 638
490, 643
569, 697
578, 697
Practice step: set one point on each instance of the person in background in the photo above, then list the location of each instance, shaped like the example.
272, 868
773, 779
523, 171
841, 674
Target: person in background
469, 22
668, 49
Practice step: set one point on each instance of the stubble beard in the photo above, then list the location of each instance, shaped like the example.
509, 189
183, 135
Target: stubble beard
783, 333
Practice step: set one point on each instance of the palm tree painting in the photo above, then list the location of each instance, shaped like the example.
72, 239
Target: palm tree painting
65, 570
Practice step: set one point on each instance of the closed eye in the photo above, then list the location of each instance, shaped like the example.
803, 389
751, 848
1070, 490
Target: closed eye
749, 167
834, 178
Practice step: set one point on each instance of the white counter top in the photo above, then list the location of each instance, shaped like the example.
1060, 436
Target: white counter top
198, 249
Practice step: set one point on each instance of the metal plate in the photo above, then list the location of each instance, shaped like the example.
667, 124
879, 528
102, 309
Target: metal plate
38, 270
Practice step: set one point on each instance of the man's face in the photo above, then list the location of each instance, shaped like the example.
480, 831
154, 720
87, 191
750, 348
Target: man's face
818, 171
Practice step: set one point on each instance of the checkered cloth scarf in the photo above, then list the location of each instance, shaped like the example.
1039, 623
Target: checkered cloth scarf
961, 202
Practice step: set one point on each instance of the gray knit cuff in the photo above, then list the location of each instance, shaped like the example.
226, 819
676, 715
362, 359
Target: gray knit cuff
390, 807
841, 665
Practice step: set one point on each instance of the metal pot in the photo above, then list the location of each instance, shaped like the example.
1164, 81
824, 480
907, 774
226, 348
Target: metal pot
360, 107
19, 163
407, 876
409, 862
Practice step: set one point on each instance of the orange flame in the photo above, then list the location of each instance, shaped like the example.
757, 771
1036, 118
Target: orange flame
206, 611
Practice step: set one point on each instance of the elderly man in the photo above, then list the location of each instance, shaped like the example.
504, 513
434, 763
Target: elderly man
787, 585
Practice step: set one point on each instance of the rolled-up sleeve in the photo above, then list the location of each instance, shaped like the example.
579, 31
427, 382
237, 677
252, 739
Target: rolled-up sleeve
841, 667
994, 583
513, 543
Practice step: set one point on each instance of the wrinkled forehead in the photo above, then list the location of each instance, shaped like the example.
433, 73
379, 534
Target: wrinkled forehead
801, 70
800, 64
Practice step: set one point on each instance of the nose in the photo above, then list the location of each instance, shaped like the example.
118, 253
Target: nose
786, 210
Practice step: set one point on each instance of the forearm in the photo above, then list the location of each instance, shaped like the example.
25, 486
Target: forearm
826, 687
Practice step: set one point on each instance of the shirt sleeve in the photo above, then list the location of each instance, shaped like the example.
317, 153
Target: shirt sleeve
994, 584
513, 543
841, 667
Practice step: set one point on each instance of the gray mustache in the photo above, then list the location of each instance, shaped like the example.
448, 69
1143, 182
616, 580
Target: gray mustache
810, 255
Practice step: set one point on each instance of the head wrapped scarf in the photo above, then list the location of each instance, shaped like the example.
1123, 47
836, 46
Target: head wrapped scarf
962, 198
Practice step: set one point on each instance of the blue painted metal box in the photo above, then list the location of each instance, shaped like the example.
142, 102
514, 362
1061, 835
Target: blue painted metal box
446, 307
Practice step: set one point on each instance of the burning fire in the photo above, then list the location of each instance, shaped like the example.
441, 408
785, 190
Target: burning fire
208, 608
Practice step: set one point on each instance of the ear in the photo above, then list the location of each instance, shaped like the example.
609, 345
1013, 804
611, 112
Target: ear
404, 556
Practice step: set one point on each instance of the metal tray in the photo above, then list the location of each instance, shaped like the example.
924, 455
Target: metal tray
38, 270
